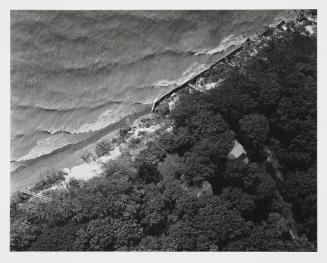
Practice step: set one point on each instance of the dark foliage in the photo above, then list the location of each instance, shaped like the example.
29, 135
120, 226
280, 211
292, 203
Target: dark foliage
255, 132
300, 189
58, 238
147, 162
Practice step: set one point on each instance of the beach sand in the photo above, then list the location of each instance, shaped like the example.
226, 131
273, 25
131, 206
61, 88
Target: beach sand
68, 157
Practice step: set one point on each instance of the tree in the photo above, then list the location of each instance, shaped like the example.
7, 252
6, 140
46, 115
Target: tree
97, 235
108, 234
147, 162
185, 108
205, 123
127, 234
213, 124
187, 205
237, 199
300, 150
266, 187
216, 147
269, 94
58, 238
220, 224
183, 236
300, 189
255, 132
171, 190
233, 99
197, 168
38, 211
153, 210
22, 234
121, 168
182, 141
168, 143
150, 243
242, 175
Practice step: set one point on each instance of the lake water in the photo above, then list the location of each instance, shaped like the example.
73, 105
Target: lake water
75, 72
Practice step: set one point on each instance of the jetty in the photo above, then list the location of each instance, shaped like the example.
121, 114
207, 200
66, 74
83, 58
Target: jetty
234, 50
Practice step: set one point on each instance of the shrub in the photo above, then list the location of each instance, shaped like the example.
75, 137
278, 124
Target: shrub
59, 238
163, 109
135, 141
255, 132
96, 236
124, 131
87, 157
121, 168
22, 234
102, 148
51, 178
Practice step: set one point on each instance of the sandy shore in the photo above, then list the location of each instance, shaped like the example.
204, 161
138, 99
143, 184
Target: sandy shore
68, 157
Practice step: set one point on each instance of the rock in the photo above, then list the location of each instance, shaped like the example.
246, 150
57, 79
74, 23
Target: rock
238, 152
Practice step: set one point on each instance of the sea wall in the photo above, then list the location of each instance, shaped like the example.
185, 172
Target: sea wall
247, 44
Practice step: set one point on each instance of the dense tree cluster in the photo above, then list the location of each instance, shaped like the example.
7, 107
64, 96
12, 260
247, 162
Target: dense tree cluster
268, 105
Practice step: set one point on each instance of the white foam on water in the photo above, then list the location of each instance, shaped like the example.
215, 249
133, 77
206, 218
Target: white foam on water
108, 117
192, 71
227, 42
224, 44
46, 146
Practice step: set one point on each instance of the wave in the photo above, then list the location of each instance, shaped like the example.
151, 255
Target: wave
99, 65
110, 73
225, 44
61, 138
121, 109
189, 73
42, 132
28, 159
109, 116
64, 110
66, 131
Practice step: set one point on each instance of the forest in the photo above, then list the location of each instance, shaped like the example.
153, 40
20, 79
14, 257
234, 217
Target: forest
264, 202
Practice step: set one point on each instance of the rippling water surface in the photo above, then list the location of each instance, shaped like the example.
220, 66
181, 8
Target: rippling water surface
74, 72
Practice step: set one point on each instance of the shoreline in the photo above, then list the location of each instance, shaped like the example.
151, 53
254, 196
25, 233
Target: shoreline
244, 46
185, 84
31, 171
69, 156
